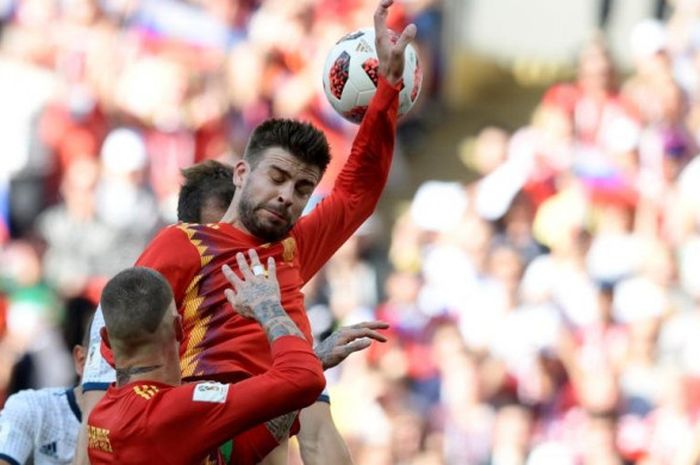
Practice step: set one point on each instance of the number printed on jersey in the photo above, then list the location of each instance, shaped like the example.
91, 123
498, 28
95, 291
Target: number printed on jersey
210, 392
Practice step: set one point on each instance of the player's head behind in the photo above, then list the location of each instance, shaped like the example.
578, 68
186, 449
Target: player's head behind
140, 314
282, 165
206, 192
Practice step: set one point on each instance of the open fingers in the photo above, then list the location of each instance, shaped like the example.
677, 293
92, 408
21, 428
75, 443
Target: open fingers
408, 34
255, 264
356, 346
271, 268
352, 334
372, 325
231, 276
243, 266
380, 15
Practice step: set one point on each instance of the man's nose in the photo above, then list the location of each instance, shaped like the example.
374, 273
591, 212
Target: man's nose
285, 194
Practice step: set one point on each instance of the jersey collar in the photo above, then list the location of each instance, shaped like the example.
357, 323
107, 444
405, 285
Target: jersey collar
70, 395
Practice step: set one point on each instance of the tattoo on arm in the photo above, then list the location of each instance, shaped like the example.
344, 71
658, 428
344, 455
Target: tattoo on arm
275, 321
124, 374
280, 427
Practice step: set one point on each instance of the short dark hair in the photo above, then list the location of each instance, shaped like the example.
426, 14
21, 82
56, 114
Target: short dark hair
133, 303
301, 139
206, 181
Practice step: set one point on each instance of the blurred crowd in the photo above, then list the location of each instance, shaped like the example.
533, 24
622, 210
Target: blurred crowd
546, 313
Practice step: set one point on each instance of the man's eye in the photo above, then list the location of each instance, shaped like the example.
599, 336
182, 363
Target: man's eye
304, 191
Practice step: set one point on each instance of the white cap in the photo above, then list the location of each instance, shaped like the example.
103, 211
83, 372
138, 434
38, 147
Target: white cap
123, 151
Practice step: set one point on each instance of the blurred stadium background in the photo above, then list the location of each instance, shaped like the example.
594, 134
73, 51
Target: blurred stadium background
537, 250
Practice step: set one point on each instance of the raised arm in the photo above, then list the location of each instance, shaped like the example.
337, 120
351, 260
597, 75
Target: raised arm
360, 183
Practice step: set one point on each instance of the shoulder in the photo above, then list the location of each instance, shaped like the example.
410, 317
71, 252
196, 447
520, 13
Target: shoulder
173, 243
30, 405
31, 397
186, 233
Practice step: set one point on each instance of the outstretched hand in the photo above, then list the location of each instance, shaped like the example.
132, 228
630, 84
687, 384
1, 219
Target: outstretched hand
257, 286
348, 339
390, 52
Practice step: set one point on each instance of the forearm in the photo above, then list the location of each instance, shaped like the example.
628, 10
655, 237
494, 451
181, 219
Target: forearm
320, 441
357, 188
367, 167
294, 381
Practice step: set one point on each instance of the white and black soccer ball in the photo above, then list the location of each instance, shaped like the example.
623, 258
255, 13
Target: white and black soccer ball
350, 75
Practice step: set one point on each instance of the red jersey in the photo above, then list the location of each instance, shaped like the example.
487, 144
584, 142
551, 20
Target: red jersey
148, 422
220, 344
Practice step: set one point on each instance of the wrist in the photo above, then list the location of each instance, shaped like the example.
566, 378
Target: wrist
321, 354
275, 321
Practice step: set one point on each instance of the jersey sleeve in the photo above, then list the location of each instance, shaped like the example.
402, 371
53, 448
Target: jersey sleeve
173, 255
221, 411
98, 373
19, 421
358, 187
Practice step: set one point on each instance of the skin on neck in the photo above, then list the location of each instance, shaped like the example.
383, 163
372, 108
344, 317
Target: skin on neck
156, 359
240, 169
148, 366
231, 215
78, 394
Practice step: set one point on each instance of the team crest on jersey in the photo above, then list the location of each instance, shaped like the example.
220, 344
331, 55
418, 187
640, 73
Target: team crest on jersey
210, 392
146, 391
289, 249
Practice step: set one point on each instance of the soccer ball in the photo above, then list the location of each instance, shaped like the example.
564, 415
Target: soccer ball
350, 75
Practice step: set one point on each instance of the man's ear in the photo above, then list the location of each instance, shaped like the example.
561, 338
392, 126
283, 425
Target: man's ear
79, 356
105, 336
240, 170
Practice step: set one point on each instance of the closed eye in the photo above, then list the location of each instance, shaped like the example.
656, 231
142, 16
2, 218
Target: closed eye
305, 189
277, 176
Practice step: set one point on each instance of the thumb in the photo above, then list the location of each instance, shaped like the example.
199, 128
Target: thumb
230, 296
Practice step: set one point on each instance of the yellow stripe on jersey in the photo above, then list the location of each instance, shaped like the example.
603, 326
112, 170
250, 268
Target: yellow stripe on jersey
194, 324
